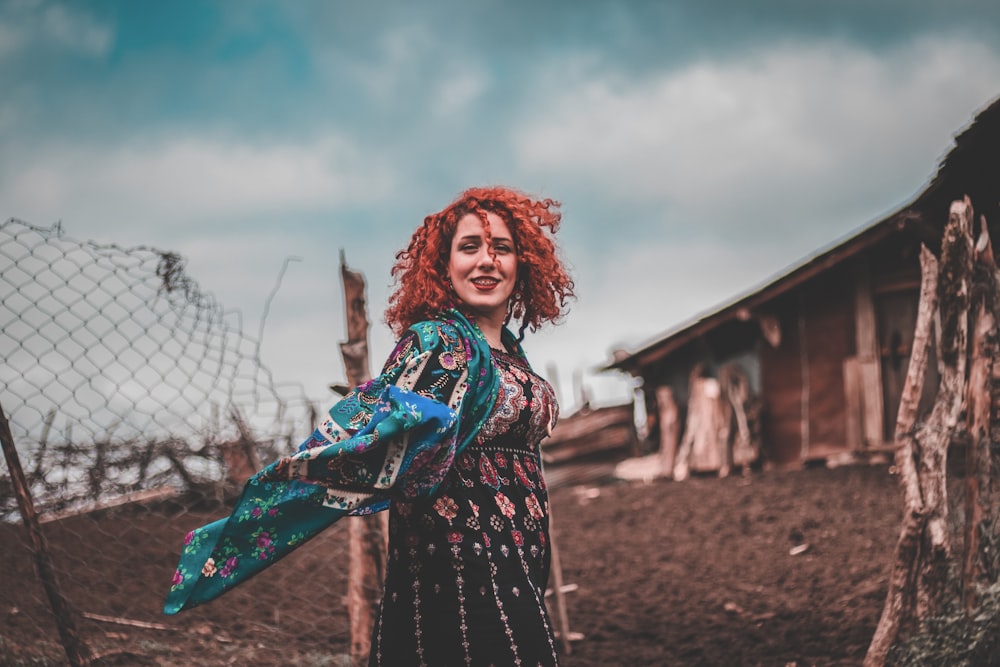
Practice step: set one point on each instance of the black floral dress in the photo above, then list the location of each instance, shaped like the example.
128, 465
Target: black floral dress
468, 566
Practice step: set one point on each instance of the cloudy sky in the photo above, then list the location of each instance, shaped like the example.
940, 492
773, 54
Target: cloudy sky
698, 146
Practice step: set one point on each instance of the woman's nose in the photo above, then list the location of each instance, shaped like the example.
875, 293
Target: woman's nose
486, 259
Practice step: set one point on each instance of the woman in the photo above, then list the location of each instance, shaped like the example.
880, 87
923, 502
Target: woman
446, 437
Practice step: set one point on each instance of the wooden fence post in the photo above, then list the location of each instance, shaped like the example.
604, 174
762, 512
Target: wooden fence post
367, 534
978, 563
76, 650
919, 576
900, 595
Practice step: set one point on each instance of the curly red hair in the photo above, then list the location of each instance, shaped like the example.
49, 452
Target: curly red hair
543, 286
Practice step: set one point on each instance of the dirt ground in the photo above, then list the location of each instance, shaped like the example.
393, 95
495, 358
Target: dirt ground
788, 568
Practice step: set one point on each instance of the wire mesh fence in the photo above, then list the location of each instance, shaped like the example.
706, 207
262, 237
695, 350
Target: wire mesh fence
124, 382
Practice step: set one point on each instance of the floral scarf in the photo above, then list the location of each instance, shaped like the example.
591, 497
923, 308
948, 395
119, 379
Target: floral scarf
382, 440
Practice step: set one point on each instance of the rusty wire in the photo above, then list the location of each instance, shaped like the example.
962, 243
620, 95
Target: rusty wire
119, 375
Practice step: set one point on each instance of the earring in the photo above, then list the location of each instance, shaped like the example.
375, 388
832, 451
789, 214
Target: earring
518, 295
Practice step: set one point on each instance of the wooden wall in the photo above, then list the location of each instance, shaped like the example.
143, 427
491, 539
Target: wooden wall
802, 380
895, 294
828, 313
781, 388
822, 386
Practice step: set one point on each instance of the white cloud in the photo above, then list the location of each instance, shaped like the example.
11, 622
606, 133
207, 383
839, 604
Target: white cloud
190, 179
410, 68
9, 117
304, 323
76, 31
819, 139
174, 193
796, 123
457, 92
11, 39
396, 66
787, 135
29, 23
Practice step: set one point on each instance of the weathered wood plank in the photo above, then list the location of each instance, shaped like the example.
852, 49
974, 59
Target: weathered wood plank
367, 534
869, 359
854, 413
670, 426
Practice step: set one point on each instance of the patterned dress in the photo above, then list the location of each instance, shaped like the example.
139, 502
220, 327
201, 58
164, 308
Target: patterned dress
468, 565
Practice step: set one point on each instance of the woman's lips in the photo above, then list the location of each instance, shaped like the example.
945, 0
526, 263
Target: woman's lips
485, 284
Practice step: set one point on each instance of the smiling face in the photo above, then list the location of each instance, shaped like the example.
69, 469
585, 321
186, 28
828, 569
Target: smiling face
483, 268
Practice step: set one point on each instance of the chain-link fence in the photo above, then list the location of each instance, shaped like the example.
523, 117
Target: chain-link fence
137, 405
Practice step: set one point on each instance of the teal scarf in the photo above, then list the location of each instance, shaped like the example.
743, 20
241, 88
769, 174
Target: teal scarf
381, 441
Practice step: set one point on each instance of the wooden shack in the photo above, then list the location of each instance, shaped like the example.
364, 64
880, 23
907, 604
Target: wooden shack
825, 345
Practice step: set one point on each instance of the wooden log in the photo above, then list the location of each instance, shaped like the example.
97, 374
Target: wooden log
869, 359
699, 448
130, 622
899, 600
589, 431
736, 388
707, 447
609, 440
562, 617
585, 423
724, 430
76, 650
900, 594
854, 413
920, 575
669, 416
682, 466
937, 433
977, 459
805, 393
144, 496
872, 423
979, 473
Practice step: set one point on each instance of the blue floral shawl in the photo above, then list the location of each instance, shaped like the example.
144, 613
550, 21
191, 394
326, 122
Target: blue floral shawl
381, 440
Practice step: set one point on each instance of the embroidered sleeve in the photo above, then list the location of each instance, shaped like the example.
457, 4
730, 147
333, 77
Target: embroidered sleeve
434, 363
430, 359
397, 434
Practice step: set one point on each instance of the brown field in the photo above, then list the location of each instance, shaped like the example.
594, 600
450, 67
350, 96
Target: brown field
694, 573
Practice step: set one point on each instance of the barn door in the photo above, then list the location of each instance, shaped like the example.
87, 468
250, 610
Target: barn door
897, 317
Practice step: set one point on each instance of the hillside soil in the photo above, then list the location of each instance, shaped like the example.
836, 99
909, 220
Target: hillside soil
781, 568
